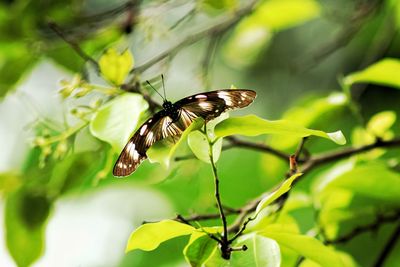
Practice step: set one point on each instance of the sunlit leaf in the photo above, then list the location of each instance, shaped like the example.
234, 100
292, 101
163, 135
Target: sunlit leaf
307, 246
381, 122
385, 72
115, 66
283, 188
252, 125
162, 151
198, 143
150, 235
115, 121
367, 180
306, 114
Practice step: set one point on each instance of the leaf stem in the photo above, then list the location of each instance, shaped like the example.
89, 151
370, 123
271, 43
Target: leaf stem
225, 249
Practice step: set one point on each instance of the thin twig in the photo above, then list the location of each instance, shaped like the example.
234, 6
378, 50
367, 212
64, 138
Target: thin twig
74, 45
225, 244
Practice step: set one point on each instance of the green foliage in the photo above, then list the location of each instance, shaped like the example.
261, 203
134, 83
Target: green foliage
198, 141
254, 33
267, 40
252, 125
25, 216
109, 122
150, 235
372, 185
306, 246
200, 247
384, 72
285, 187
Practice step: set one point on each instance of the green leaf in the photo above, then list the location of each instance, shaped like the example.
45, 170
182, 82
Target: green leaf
115, 66
306, 246
162, 152
198, 143
385, 72
199, 248
115, 121
150, 235
285, 187
368, 181
25, 216
252, 125
261, 251
381, 122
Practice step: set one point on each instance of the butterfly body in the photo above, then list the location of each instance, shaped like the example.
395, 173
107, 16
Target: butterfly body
174, 118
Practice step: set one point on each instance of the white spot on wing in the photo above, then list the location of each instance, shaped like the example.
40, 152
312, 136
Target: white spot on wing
205, 105
226, 97
201, 96
143, 129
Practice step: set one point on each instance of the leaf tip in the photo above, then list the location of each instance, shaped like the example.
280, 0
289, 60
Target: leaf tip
337, 137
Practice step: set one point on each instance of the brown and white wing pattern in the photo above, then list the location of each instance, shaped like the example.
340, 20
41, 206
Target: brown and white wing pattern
158, 127
210, 105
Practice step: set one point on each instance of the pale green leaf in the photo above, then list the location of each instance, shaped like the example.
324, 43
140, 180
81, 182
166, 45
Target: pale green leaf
381, 122
252, 125
261, 251
368, 181
307, 246
115, 121
162, 151
199, 248
385, 72
198, 143
283, 188
150, 235
115, 66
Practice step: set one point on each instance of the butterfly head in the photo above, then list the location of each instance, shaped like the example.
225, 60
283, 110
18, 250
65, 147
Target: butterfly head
171, 110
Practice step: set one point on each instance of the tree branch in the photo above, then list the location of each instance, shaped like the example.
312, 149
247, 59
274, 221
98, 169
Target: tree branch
380, 220
74, 46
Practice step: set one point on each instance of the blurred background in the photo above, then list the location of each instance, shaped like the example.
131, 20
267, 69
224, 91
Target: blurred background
60, 204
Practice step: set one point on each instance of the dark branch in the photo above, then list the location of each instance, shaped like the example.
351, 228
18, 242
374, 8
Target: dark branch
74, 45
380, 220
388, 247
257, 146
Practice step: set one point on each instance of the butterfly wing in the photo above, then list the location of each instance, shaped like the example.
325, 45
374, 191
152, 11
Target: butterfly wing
158, 127
207, 105
210, 105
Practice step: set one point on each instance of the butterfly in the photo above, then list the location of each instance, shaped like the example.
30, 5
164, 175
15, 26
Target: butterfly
174, 118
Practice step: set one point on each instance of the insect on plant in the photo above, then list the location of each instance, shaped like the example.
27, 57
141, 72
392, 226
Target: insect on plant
174, 118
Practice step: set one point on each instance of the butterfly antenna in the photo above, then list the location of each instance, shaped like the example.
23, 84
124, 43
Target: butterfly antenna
155, 90
163, 85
